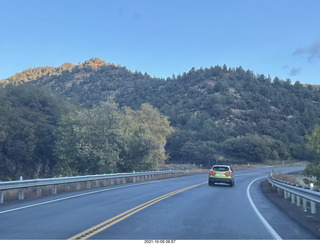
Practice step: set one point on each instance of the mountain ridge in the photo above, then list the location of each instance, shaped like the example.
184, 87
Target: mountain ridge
220, 113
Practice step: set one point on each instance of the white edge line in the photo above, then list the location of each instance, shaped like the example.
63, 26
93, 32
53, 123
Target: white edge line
263, 220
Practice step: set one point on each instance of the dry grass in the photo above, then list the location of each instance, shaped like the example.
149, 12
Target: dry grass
247, 166
194, 168
295, 179
288, 178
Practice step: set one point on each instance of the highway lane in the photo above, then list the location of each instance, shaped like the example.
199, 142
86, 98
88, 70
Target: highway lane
162, 209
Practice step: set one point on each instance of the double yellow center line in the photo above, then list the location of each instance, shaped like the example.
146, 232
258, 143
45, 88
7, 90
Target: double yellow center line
106, 224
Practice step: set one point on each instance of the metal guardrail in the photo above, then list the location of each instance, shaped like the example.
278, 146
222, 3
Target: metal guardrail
21, 185
297, 193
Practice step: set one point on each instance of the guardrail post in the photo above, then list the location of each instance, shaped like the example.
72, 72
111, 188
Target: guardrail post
54, 190
292, 198
88, 184
313, 207
21, 194
39, 191
311, 186
1, 197
298, 201
304, 203
78, 186
133, 179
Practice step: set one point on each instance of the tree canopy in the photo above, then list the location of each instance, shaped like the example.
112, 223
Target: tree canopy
42, 135
313, 167
104, 139
28, 117
218, 113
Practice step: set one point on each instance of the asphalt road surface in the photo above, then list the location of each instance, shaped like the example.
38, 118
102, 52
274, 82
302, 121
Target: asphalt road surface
183, 208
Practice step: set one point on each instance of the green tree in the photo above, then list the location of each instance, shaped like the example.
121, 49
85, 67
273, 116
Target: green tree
250, 148
155, 123
313, 168
86, 141
104, 140
254, 148
145, 132
28, 116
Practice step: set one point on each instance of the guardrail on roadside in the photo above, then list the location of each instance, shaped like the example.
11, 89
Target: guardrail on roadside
297, 194
36, 187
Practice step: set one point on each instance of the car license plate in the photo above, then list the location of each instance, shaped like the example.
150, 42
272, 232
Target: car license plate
219, 174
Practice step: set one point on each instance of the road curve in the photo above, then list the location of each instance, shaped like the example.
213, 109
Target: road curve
183, 208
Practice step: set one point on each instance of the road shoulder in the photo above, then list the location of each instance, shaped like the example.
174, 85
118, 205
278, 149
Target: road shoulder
309, 221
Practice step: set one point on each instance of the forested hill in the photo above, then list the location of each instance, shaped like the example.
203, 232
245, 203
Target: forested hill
219, 113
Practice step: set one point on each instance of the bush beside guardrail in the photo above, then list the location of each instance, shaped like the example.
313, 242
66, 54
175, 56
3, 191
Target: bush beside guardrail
299, 195
22, 189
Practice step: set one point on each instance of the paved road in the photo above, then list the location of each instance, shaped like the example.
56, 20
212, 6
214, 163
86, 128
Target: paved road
171, 209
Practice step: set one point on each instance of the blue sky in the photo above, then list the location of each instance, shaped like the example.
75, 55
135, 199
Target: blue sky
164, 37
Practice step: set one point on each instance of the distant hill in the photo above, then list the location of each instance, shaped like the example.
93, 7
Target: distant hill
220, 113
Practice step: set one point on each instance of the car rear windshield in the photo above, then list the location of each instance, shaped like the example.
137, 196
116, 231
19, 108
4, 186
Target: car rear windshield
220, 168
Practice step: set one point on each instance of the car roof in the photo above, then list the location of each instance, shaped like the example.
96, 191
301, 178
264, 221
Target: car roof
220, 165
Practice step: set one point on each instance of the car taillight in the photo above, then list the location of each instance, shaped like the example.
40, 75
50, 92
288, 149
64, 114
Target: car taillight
212, 172
228, 173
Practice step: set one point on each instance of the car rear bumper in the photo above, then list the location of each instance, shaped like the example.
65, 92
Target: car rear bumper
220, 180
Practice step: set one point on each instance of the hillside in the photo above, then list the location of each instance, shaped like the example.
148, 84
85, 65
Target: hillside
219, 113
